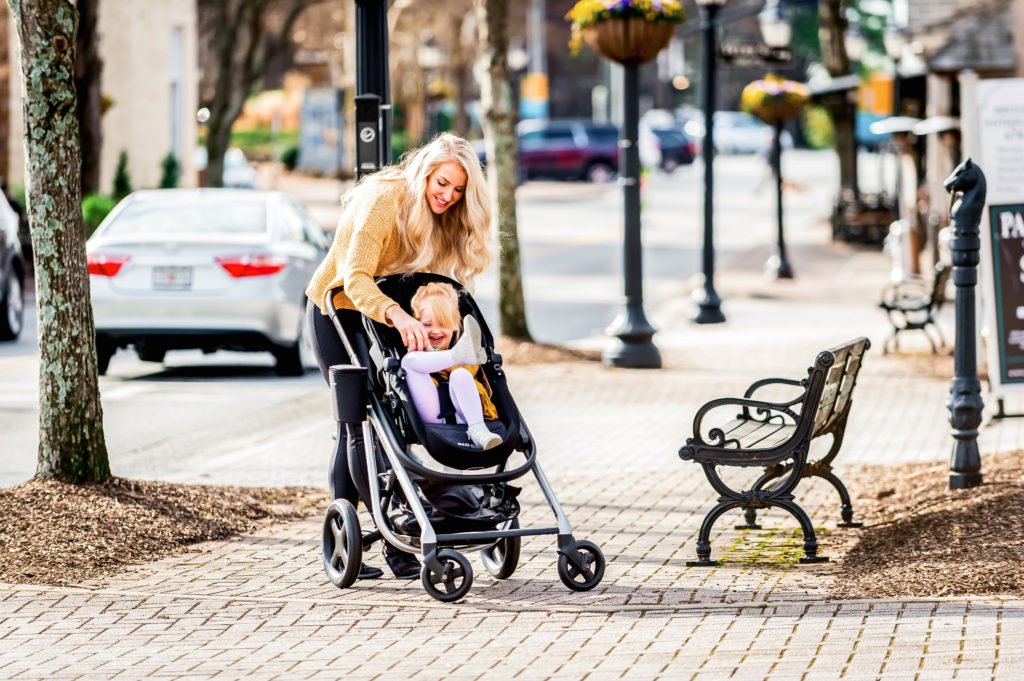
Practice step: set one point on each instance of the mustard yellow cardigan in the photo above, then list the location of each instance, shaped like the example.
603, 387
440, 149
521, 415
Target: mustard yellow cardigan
365, 246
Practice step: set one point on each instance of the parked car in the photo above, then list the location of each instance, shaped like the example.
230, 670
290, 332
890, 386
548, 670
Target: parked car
737, 132
12, 275
675, 148
568, 149
237, 172
204, 269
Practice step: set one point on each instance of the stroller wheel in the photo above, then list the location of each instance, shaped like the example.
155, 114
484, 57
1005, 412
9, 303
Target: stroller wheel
502, 559
454, 580
586, 571
342, 543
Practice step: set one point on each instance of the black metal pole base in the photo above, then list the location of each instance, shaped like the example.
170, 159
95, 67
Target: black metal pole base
964, 480
777, 268
626, 354
709, 307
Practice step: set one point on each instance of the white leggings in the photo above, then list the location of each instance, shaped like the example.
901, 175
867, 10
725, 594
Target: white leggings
462, 388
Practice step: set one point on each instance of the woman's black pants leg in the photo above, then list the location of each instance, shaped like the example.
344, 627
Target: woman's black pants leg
348, 477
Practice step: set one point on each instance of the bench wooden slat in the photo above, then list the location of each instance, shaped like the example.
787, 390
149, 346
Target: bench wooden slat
756, 434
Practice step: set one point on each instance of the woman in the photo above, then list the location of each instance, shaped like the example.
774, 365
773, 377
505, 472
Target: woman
431, 212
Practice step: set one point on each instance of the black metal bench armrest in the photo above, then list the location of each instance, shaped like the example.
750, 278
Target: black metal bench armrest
754, 410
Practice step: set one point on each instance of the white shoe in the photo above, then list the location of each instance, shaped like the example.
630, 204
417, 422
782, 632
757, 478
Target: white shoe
482, 436
468, 351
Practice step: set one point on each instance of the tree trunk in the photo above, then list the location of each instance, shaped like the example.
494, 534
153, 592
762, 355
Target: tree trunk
841, 106
71, 442
88, 72
499, 124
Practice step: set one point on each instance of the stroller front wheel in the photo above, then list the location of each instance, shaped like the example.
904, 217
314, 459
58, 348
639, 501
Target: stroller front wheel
342, 544
454, 579
586, 571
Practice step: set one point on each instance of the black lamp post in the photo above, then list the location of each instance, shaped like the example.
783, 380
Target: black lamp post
775, 30
634, 347
373, 87
708, 303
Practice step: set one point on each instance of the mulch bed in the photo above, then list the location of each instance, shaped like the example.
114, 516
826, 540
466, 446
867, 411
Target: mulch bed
514, 351
59, 534
922, 539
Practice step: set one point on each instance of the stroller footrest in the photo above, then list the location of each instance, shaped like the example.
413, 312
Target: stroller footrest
471, 537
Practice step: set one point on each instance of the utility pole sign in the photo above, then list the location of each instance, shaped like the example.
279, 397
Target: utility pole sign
752, 54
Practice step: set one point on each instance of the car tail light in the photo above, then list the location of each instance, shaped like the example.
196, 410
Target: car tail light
252, 265
106, 265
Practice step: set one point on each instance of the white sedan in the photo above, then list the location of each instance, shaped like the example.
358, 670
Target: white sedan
204, 269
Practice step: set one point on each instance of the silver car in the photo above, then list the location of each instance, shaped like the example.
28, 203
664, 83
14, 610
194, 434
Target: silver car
12, 274
204, 269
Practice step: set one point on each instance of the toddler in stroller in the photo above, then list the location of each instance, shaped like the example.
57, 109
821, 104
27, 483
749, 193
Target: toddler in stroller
442, 382
467, 505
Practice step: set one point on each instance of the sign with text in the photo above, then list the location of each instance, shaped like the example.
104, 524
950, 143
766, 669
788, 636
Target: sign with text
752, 54
1007, 225
1001, 157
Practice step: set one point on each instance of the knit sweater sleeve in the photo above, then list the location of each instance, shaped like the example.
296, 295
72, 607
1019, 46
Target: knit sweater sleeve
373, 228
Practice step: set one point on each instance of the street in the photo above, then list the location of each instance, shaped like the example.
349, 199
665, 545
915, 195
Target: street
227, 418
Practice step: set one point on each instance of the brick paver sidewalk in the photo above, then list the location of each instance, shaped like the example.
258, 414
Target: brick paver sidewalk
260, 607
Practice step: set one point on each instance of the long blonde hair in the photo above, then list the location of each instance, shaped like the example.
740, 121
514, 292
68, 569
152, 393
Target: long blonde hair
455, 243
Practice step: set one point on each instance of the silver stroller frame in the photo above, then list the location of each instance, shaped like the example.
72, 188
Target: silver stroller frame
445, 573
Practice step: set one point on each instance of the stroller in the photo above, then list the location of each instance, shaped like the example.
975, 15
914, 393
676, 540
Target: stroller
467, 505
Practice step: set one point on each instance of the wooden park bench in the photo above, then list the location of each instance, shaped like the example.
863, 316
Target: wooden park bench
776, 436
912, 306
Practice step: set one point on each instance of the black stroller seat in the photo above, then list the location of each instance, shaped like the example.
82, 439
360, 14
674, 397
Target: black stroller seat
447, 443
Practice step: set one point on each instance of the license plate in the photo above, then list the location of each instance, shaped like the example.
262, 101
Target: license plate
172, 278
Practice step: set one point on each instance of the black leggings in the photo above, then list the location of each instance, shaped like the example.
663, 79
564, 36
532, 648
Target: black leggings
347, 476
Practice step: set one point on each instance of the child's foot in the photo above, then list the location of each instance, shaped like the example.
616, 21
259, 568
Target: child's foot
469, 348
482, 436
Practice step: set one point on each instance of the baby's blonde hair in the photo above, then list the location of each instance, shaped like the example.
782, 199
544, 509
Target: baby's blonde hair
443, 302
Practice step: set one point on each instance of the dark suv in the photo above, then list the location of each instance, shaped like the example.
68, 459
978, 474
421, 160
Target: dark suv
568, 149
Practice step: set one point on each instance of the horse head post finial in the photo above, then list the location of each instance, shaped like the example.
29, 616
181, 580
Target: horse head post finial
967, 186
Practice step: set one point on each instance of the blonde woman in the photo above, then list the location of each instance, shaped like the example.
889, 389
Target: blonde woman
431, 212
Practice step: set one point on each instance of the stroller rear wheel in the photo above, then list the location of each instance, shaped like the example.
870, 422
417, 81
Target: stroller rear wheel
454, 579
342, 544
502, 559
584, 573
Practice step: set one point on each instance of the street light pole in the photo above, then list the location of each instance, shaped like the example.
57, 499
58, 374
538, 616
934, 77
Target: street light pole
634, 348
708, 303
372, 72
778, 264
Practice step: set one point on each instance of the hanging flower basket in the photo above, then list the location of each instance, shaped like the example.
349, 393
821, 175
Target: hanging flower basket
625, 31
629, 40
774, 99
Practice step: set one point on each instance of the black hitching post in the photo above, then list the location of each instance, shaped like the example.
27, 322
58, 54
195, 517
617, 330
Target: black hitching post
778, 264
967, 185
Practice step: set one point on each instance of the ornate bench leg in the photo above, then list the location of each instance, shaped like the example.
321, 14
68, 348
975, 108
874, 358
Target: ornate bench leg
704, 537
810, 539
773, 472
844, 498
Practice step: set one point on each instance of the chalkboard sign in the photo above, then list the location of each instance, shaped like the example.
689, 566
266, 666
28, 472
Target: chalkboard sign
1000, 139
1007, 225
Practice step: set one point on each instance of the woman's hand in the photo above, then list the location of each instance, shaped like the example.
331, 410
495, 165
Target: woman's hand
414, 334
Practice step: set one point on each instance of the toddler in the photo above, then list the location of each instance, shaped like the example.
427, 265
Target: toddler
436, 306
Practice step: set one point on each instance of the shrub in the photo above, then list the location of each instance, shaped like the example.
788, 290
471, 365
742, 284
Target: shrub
290, 157
122, 183
95, 207
171, 171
